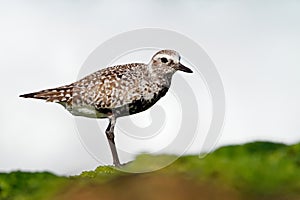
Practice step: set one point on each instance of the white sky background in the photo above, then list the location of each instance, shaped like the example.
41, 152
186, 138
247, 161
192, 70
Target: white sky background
254, 45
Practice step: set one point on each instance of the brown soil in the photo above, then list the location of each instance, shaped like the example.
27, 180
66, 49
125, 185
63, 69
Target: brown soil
146, 187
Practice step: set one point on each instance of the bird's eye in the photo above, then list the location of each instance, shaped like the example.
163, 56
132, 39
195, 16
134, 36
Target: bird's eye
164, 60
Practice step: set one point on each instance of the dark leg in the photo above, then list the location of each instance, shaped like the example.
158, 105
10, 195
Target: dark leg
111, 140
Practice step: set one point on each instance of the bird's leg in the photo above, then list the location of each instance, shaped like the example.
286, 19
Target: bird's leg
111, 140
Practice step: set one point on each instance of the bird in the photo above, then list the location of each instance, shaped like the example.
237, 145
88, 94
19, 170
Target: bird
117, 91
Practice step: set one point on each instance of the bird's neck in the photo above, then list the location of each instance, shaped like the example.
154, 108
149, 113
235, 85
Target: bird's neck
161, 74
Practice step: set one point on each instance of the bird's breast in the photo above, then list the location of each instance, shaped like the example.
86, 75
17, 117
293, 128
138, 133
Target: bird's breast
140, 104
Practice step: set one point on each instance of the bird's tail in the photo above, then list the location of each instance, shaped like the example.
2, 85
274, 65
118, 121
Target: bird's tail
60, 94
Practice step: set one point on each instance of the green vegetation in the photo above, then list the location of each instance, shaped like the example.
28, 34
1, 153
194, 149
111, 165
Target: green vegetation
24, 185
260, 170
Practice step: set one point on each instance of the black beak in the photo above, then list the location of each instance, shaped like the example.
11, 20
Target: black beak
183, 68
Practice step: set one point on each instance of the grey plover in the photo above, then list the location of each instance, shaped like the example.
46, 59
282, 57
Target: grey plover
117, 91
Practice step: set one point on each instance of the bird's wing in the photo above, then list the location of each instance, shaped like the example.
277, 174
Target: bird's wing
110, 87
107, 88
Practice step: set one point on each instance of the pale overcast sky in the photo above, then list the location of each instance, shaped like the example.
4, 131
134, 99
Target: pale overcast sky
255, 46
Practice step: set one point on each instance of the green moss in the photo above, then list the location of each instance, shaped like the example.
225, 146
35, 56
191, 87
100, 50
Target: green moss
24, 185
255, 169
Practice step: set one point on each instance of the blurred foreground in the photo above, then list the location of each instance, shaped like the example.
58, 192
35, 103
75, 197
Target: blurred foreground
259, 170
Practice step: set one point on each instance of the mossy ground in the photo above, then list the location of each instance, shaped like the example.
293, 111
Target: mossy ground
260, 170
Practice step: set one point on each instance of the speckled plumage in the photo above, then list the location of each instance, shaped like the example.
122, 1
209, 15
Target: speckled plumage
119, 90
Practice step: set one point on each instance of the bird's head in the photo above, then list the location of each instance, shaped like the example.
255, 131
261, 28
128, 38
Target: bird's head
169, 61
